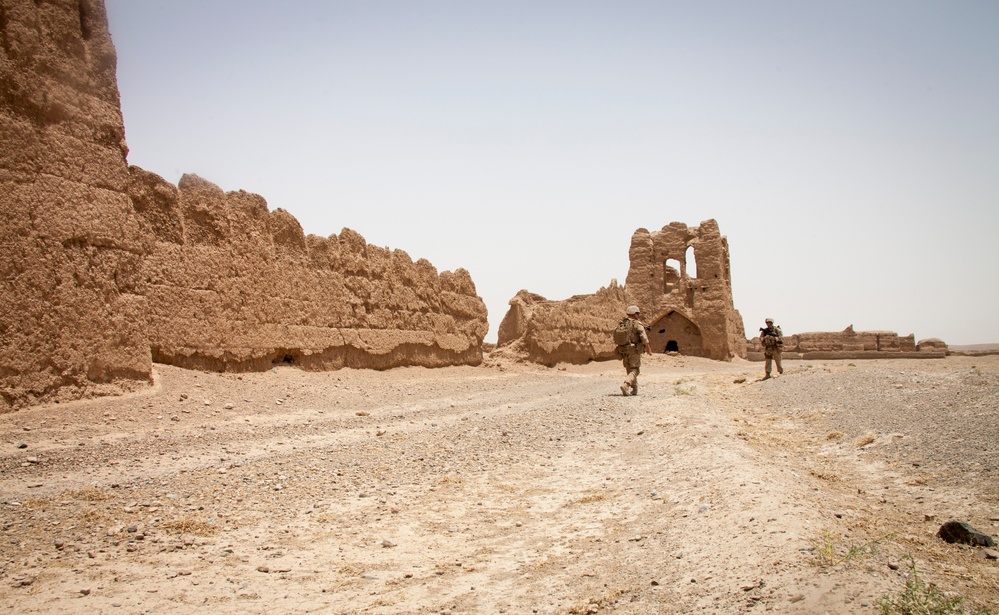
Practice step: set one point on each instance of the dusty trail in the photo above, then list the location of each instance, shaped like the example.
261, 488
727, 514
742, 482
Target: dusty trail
504, 488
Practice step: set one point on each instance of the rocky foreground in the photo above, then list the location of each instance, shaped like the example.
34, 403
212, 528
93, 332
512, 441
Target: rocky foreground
507, 488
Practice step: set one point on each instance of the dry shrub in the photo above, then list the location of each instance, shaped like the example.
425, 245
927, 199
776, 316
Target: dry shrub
589, 498
863, 441
92, 517
190, 525
832, 478
835, 435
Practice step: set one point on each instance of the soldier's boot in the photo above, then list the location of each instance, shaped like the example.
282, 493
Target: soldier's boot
634, 388
624, 388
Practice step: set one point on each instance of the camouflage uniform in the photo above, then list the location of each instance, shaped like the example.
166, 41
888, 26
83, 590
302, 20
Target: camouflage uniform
772, 339
631, 356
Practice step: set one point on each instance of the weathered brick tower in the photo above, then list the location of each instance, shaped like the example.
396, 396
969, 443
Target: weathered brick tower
680, 276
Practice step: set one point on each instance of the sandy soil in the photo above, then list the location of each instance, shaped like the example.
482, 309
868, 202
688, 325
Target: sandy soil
506, 488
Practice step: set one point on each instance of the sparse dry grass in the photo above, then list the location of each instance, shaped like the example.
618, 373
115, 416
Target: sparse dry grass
830, 550
90, 494
826, 476
36, 503
866, 439
190, 525
588, 499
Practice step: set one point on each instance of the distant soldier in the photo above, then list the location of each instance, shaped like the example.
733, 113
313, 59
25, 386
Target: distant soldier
773, 344
630, 336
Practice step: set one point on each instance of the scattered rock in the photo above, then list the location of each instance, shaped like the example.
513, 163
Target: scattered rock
961, 532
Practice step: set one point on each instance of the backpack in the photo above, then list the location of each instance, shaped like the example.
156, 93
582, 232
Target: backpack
623, 332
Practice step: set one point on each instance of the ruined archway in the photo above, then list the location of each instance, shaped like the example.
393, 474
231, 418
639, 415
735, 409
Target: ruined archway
674, 332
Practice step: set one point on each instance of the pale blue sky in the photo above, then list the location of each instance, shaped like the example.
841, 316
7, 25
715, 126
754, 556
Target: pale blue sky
849, 150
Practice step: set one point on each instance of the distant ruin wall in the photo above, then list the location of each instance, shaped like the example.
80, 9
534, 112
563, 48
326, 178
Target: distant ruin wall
850, 344
72, 309
686, 313
232, 286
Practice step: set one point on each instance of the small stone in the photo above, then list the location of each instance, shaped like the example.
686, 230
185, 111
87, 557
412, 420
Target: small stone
263, 569
22, 445
85, 591
990, 554
388, 544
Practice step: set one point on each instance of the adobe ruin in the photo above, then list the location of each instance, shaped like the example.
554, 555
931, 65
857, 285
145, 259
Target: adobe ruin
687, 310
106, 269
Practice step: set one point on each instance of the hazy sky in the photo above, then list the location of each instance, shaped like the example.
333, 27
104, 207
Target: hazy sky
849, 150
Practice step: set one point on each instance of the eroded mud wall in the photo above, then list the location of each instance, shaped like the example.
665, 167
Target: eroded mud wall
573, 330
233, 286
72, 311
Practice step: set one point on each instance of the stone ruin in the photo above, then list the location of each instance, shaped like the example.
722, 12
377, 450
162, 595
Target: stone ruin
687, 311
106, 268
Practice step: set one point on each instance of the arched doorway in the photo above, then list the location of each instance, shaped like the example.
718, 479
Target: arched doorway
674, 332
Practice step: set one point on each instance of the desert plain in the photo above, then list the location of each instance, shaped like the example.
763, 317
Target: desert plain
507, 488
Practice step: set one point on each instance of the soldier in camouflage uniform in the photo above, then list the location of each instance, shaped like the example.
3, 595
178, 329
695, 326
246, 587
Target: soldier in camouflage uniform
772, 339
631, 355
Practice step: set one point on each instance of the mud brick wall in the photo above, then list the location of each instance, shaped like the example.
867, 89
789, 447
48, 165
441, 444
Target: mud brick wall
574, 330
72, 310
233, 286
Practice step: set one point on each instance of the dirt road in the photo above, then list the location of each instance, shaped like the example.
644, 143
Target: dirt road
506, 488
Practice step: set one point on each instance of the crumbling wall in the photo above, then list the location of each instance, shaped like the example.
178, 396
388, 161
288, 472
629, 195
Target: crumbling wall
687, 313
232, 286
573, 330
851, 344
72, 311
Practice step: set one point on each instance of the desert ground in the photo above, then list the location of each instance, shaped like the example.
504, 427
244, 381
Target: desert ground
507, 488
